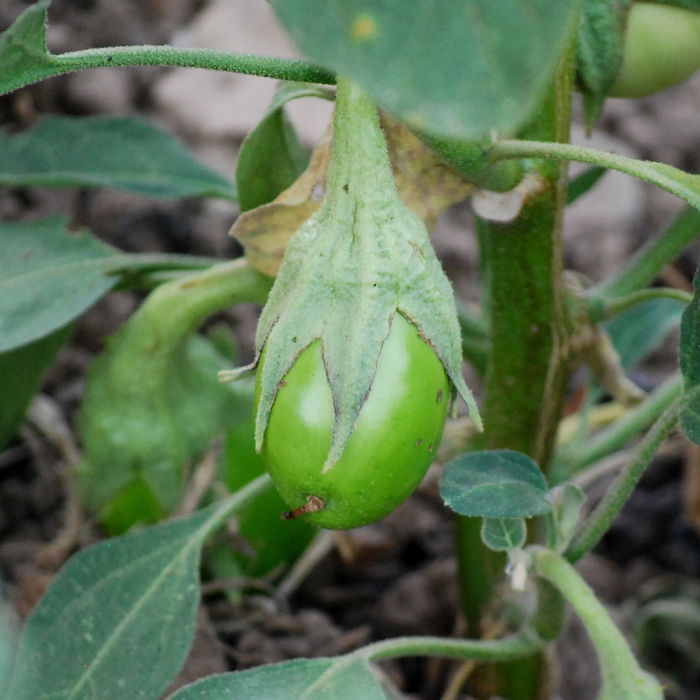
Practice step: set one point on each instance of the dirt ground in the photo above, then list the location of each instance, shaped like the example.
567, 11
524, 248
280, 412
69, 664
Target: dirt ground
397, 576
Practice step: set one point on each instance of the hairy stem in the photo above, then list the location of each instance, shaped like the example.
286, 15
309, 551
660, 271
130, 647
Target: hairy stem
264, 66
513, 647
618, 493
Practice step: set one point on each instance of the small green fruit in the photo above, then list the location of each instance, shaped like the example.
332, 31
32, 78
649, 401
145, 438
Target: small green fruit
662, 48
392, 444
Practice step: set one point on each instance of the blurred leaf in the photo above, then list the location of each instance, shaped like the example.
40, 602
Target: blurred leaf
271, 157
494, 484
583, 182
640, 330
502, 534
342, 678
599, 51
153, 402
690, 364
457, 69
567, 500
21, 371
48, 276
122, 152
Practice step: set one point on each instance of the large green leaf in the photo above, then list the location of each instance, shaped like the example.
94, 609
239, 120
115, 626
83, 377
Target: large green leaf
118, 620
271, 157
21, 371
690, 364
122, 152
48, 276
343, 678
494, 484
453, 68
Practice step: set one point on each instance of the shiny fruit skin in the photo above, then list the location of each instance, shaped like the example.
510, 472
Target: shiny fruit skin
662, 48
392, 445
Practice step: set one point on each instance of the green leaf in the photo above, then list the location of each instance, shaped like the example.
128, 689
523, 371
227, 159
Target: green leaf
21, 371
118, 621
494, 484
23, 53
343, 678
122, 152
503, 534
455, 68
48, 276
152, 401
271, 157
583, 182
638, 331
690, 364
599, 50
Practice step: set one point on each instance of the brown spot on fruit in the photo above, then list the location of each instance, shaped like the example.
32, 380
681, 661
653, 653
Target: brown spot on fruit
313, 505
438, 398
419, 442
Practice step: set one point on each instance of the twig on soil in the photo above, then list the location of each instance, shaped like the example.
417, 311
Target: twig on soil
47, 416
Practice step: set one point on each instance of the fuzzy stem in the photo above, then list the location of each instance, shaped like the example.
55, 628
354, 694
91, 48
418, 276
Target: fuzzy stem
249, 64
522, 274
620, 490
513, 647
623, 679
666, 177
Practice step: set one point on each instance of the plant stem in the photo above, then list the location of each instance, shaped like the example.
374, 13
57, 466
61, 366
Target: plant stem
513, 647
633, 423
603, 309
235, 502
680, 183
623, 679
618, 493
264, 66
524, 387
652, 257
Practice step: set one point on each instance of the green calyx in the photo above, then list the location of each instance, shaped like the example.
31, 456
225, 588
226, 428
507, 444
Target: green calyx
351, 267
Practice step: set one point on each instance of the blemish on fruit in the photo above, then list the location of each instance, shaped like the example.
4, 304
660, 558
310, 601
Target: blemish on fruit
430, 447
419, 442
438, 398
313, 505
363, 28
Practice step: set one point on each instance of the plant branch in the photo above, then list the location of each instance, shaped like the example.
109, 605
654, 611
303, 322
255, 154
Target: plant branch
618, 493
680, 183
652, 257
623, 679
513, 647
264, 66
635, 421
603, 309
